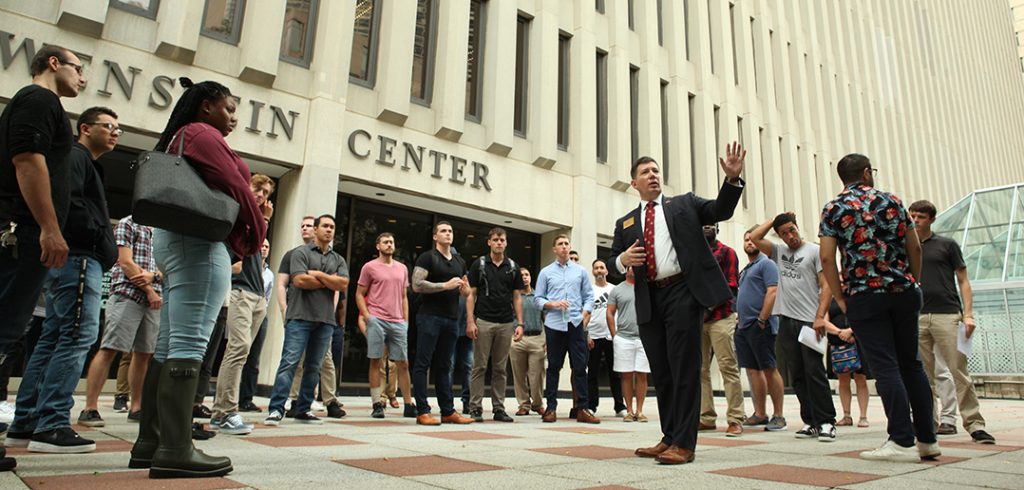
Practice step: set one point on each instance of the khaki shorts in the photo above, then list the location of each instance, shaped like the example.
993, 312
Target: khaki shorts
130, 327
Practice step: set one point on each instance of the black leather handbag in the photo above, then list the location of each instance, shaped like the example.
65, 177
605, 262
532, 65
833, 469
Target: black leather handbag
170, 194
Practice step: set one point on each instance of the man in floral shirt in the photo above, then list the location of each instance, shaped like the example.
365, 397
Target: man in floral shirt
881, 261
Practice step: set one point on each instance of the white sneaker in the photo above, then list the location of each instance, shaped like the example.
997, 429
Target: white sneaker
6, 412
827, 433
317, 406
621, 414
890, 451
929, 450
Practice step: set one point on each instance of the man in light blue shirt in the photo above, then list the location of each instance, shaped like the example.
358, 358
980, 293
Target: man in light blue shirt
564, 290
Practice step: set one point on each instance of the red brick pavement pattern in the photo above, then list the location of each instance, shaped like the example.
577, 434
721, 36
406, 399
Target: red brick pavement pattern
417, 465
369, 423
584, 430
589, 452
799, 475
941, 460
465, 435
301, 441
125, 479
1000, 448
103, 446
723, 442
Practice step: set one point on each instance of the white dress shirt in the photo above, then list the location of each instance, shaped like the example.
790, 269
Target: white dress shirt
665, 256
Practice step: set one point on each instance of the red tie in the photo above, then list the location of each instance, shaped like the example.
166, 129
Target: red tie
652, 266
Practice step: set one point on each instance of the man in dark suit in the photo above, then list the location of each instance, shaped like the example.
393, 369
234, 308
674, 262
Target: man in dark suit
677, 280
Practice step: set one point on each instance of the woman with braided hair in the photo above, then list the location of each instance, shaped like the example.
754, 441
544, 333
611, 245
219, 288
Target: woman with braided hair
197, 274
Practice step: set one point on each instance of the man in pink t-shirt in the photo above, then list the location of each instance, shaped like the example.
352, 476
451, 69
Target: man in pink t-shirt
383, 303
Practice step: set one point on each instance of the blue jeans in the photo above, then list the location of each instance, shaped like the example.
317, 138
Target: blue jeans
462, 360
435, 343
44, 398
251, 369
197, 275
313, 338
573, 342
21, 281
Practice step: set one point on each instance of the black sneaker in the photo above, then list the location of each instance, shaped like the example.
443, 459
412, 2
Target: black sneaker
410, 411
378, 410
807, 432
91, 418
501, 416
60, 441
982, 437
135, 416
17, 439
477, 415
249, 406
335, 411
121, 403
7, 464
308, 418
290, 413
199, 433
201, 412
572, 412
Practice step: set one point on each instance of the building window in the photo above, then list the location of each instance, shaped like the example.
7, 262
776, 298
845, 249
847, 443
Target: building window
599, 6
692, 109
631, 15
474, 64
299, 29
363, 65
735, 56
522, 72
423, 51
753, 47
634, 116
664, 132
602, 106
222, 20
661, 25
686, 27
564, 43
145, 8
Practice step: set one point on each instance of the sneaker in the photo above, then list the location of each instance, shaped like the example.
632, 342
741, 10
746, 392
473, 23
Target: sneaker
317, 406
807, 432
410, 411
215, 423
7, 464
201, 434
91, 418
754, 421
234, 425
335, 411
274, 418
946, 429
3, 429
249, 406
60, 441
477, 415
621, 413
629, 418
290, 413
308, 418
890, 451
121, 403
641, 418
572, 412
6, 412
827, 433
378, 410
465, 408
928, 450
776, 423
135, 417
201, 412
17, 439
982, 437
501, 416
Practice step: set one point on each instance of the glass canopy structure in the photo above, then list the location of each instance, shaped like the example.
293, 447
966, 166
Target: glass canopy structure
989, 226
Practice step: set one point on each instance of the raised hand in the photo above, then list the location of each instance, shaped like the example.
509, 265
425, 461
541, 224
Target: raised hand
732, 164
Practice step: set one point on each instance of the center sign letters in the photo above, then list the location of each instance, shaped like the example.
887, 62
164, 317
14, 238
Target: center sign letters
361, 143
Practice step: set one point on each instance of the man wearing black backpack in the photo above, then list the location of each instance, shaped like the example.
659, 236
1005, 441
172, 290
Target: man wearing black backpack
494, 301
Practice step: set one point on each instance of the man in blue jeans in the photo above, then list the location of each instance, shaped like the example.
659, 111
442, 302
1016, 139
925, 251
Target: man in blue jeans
565, 292
317, 271
881, 261
42, 418
440, 276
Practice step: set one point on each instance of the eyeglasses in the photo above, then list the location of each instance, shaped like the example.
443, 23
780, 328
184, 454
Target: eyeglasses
115, 130
78, 68
874, 171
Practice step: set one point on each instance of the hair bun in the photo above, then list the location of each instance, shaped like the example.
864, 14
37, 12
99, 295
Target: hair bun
186, 82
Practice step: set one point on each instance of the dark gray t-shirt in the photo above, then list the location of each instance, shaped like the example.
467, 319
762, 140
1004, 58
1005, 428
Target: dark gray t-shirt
940, 259
622, 296
314, 305
251, 277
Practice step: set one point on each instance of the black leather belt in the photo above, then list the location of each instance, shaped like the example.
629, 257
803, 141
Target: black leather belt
668, 281
532, 334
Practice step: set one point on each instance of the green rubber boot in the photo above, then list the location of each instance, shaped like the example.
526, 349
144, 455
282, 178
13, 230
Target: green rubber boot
149, 425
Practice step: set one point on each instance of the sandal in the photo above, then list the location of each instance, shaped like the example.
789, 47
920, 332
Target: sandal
393, 402
863, 422
846, 420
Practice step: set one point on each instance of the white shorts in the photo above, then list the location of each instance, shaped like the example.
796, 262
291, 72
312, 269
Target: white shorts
629, 356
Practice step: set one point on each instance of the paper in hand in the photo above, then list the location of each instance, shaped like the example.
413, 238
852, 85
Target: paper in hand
809, 338
963, 344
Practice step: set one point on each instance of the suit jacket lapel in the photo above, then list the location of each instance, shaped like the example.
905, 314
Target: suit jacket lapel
668, 217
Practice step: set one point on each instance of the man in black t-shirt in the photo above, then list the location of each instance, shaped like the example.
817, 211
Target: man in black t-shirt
941, 317
440, 276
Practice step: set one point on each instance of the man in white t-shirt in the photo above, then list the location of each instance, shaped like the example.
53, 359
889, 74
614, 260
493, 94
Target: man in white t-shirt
599, 340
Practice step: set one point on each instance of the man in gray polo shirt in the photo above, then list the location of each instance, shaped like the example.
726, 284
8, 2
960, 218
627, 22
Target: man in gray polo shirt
317, 271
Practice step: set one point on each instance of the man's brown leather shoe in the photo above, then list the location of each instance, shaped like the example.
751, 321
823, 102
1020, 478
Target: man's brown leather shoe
675, 455
585, 416
703, 427
539, 411
734, 430
651, 452
522, 411
427, 419
550, 416
455, 418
